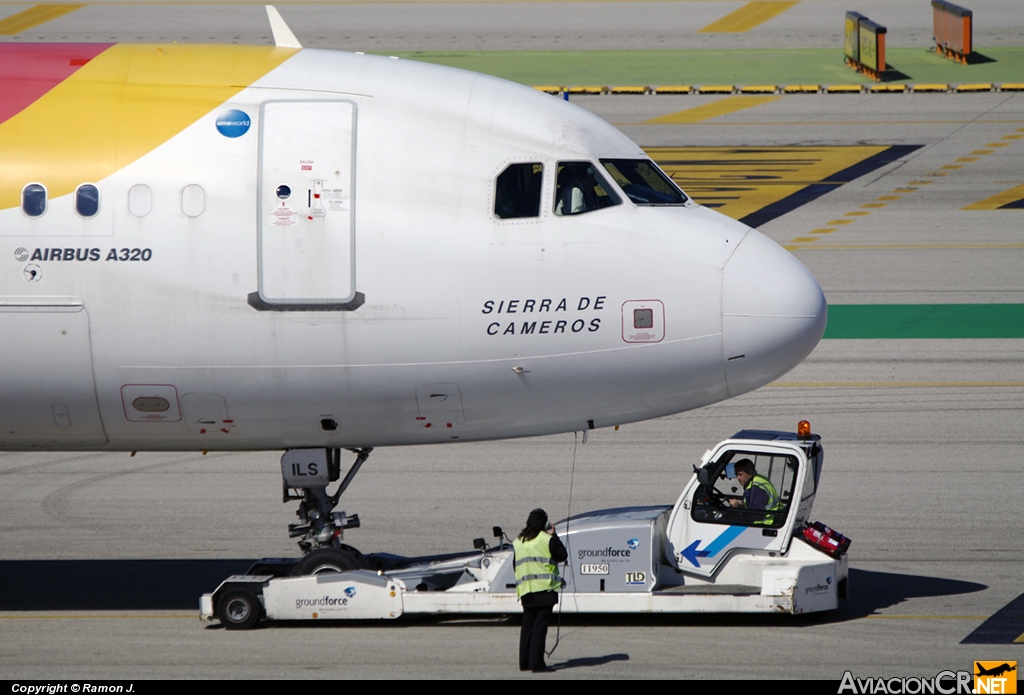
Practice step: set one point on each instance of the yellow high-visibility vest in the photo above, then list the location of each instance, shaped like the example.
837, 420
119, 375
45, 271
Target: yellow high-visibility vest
535, 570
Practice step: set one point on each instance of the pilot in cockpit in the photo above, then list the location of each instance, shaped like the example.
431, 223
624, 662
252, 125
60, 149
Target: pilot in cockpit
577, 189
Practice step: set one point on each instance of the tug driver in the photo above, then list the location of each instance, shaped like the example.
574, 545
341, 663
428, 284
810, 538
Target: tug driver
758, 492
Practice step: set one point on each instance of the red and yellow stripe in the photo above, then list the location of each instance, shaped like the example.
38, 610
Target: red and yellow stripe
80, 112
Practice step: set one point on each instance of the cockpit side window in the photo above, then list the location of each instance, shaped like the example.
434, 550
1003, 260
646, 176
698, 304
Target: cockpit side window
517, 191
580, 188
644, 182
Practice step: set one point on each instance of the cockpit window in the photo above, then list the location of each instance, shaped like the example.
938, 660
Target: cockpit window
517, 191
581, 189
643, 182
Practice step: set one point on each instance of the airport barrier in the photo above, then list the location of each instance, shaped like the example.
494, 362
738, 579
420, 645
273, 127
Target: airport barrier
716, 89
890, 88
630, 89
588, 89
953, 27
887, 88
674, 89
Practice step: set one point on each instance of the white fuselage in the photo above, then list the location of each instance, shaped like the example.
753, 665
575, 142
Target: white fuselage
465, 326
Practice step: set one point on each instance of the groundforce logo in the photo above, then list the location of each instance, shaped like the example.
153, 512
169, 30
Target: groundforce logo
945, 683
604, 552
319, 602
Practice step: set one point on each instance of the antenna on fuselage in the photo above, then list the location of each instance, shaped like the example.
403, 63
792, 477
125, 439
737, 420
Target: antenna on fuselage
283, 36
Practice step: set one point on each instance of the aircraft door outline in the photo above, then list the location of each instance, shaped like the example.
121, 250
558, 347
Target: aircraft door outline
47, 359
306, 209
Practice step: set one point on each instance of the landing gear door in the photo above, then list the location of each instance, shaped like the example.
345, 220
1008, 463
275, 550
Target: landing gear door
744, 500
306, 227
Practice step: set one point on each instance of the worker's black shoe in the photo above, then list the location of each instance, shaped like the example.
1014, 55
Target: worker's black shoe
544, 669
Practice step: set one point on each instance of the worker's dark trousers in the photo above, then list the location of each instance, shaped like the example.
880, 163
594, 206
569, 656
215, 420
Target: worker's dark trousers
537, 609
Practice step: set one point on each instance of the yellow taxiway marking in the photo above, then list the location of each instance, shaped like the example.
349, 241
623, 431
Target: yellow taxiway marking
747, 17
967, 159
1012, 137
910, 247
888, 197
998, 200
1019, 639
952, 166
997, 144
856, 213
33, 17
897, 385
983, 152
739, 181
823, 230
839, 222
712, 110
804, 240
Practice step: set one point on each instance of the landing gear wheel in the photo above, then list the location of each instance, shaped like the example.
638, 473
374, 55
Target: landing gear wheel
239, 609
330, 560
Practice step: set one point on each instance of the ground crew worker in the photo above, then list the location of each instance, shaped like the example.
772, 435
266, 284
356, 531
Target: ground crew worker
537, 554
758, 492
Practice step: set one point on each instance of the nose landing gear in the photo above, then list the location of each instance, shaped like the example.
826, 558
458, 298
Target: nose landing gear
306, 473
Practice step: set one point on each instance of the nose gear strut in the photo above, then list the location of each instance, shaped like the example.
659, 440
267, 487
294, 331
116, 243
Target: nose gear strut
306, 474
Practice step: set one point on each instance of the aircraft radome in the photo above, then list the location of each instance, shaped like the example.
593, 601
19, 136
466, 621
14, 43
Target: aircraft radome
246, 247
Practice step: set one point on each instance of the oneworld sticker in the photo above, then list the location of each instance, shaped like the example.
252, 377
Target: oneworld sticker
233, 123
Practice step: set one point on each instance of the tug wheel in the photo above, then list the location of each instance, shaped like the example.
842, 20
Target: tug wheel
239, 609
327, 560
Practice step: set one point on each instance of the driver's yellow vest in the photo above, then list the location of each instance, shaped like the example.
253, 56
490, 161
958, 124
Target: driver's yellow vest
759, 481
535, 570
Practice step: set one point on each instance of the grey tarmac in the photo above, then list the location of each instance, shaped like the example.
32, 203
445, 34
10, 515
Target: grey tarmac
923, 442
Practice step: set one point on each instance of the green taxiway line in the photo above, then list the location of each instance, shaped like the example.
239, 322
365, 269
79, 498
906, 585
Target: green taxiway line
945, 321
740, 66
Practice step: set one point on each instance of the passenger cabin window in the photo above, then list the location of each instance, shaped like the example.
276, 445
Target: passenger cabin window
193, 200
644, 182
140, 200
87, 200
517, 191
33, 199
747, 489
580, 188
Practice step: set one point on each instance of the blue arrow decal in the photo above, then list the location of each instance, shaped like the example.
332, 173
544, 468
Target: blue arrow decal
714, 547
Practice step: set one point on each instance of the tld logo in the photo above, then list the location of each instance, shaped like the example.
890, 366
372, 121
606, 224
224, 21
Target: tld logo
995, 677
